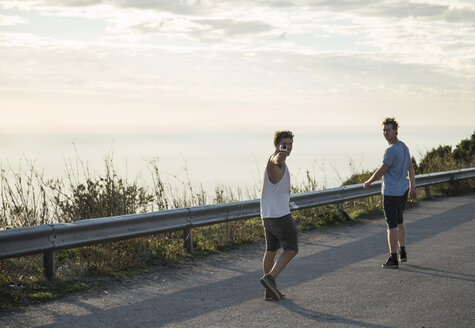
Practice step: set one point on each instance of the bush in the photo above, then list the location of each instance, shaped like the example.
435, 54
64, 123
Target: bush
443, 158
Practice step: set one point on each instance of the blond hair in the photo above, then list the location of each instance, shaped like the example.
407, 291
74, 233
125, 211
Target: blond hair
392, 121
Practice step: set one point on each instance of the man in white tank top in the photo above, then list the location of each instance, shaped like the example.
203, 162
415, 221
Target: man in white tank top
279, 226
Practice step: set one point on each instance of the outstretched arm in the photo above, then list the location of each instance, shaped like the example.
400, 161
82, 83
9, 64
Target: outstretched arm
376, 175
278, 158
276, 167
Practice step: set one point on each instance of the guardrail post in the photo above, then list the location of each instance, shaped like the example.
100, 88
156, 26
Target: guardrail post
427, 188
340, 209
188, 240
49, 265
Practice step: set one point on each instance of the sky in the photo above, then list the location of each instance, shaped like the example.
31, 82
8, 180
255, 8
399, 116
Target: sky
190, 65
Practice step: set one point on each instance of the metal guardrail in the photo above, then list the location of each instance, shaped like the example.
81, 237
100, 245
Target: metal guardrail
49, 238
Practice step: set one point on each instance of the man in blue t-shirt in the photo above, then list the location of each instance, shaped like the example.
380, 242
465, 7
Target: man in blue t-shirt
395, 188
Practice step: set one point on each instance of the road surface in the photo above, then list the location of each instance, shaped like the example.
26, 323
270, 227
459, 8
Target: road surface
335, 281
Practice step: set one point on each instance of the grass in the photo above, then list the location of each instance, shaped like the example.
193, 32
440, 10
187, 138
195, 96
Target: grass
19, 295
28, 198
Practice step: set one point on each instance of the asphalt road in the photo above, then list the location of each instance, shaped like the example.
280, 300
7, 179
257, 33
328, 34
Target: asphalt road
335, 281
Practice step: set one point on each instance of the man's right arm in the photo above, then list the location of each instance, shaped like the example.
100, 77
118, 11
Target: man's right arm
278, 158
376, 176
275, 167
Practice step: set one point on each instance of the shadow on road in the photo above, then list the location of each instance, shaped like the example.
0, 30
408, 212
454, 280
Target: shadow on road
188, 303
438, 273
323, 317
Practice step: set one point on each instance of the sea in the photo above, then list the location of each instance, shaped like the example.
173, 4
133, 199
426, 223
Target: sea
207, 160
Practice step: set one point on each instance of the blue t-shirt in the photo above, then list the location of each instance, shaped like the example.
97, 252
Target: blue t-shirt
395, 182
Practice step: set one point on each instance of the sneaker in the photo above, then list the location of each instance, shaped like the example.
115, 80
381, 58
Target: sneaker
269, 283
403, 257
391, 264
268, 297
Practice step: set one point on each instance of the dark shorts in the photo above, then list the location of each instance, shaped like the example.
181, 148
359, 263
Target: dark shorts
280, 232
393, 207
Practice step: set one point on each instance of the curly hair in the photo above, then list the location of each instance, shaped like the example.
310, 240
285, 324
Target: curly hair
392, 121
282, 134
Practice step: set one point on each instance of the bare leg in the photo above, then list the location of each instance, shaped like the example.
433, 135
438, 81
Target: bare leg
401, 231
282, 262
392, 240
268, 261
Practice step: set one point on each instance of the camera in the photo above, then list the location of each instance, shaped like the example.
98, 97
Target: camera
282, 147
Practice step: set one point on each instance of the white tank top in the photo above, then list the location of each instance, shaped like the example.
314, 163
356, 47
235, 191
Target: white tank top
275, 196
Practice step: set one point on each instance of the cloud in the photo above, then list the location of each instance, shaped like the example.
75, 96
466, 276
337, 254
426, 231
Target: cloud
203, 29
456, 12
460, 15
308, 47
164, 25
155, 71
406, 9
12, 20
384, 8
70, 3
182, 7
425, 11
233, 27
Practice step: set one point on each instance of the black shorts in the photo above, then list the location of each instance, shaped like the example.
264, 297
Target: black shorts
281, 231
393, 207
